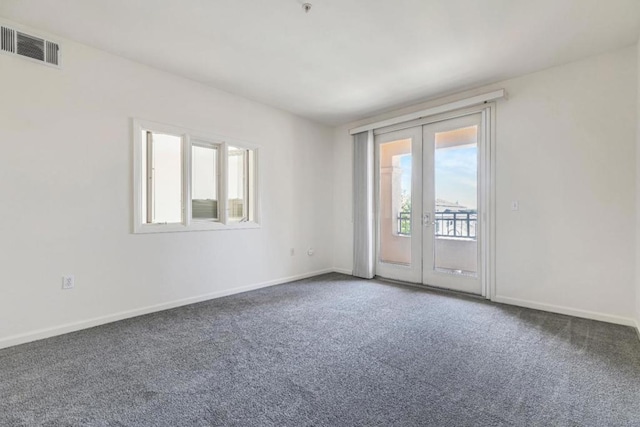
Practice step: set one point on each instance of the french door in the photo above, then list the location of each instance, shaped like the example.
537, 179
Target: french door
430, 204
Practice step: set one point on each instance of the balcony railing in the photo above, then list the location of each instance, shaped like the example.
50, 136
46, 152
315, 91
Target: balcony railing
404, 223
447, 224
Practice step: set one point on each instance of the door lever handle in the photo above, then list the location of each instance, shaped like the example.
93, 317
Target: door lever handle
426, 219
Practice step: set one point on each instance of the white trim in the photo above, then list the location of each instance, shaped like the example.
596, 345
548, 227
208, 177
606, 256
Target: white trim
412, 272
343, 271
187, 159
463, 103
187, 223
101, 320
196, 225
487, 181
490, 255
223, 200
473, 284
435, 119
593, 315
637, 326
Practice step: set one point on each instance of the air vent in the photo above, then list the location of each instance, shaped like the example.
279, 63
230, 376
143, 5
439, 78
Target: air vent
52, 53
7, 40
29, 46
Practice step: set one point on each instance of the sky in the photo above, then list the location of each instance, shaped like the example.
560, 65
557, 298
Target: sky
457, 175
456, 172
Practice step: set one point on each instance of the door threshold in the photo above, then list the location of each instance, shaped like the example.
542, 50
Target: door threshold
431, 288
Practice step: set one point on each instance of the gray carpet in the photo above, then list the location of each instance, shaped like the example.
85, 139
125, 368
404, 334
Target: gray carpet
329, 351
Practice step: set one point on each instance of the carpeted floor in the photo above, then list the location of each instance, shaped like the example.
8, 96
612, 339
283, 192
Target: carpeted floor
329, 351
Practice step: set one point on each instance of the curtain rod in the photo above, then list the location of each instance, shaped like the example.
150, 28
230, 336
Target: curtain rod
467, 102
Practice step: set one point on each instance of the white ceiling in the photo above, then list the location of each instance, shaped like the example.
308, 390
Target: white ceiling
346, 59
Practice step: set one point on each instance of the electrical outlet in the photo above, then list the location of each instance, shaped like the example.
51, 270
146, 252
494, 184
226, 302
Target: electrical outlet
515, 205
310, 252
292, 251
68, 282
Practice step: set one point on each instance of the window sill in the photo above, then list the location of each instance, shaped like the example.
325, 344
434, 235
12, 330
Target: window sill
194, 226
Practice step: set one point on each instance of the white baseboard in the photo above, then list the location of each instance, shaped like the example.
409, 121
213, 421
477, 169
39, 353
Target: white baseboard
593, 315
638, 328
97, 321
343, 271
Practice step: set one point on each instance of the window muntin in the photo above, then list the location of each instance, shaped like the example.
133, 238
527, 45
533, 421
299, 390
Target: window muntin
184, 182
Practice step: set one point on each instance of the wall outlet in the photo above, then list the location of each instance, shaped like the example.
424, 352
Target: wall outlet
68, 282
310, 252
515, 205
292, 251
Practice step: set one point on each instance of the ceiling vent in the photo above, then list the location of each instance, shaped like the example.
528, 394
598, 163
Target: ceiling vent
28, 46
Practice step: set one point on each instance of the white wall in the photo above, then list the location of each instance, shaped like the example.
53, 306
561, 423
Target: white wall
566, 150
66, 194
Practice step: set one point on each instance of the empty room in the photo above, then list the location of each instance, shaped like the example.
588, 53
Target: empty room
320, 213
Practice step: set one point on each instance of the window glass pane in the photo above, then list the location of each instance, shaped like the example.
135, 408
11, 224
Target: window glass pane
395, 202
251, 200
204, 182
238, 184
145, 177
166, 179
456, 186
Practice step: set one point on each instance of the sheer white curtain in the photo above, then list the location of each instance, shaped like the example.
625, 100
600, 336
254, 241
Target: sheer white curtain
363, 205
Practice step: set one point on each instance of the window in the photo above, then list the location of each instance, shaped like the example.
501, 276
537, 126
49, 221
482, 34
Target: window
241, 163
184, 181
204, 181
162, 167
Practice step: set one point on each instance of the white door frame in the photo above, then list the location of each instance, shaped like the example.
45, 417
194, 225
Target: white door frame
487, 184
411, 273
430, 276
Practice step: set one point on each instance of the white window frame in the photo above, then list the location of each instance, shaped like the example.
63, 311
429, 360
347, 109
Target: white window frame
189, 224
194, 141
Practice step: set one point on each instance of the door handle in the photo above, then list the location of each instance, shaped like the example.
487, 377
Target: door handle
426, 219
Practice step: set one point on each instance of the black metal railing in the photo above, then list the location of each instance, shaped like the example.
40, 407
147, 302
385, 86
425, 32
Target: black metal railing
404, 223
447, 224
456, 224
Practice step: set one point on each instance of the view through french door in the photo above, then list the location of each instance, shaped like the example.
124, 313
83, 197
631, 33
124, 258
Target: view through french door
429, 204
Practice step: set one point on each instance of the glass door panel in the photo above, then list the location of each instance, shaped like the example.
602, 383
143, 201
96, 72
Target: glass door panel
427, 199
456, 205
398, 199
451, 233
395, 202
